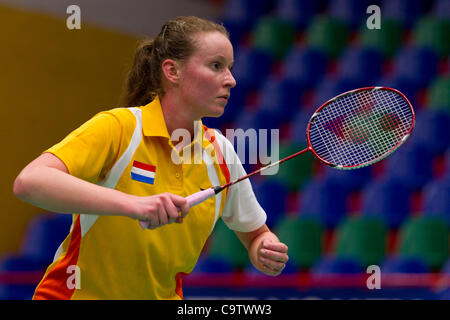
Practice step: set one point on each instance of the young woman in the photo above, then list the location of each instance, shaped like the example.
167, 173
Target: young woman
118, 169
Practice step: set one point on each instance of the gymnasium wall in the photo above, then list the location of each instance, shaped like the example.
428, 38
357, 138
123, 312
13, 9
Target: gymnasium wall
52, 79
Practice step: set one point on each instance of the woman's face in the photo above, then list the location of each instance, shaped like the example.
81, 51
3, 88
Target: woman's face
205, 77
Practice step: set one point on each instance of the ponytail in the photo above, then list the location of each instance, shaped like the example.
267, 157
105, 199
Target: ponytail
140, 86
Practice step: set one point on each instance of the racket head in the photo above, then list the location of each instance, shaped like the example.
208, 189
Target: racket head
360, 127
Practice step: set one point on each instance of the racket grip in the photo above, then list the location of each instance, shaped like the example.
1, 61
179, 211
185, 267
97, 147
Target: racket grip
192, 200
200, 196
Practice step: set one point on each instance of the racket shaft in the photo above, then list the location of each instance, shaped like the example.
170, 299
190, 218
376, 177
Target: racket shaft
203, 195
266, 167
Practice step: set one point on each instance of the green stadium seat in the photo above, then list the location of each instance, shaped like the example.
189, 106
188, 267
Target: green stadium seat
295, 172
361, 238
439, 94
225, 245
433, 33
386, 40
328, 35
303, 236
273, 36
425, 238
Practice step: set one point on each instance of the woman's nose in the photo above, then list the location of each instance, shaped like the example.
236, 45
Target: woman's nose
229, 79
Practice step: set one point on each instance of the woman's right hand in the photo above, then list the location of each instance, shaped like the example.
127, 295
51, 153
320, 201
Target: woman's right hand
161, 209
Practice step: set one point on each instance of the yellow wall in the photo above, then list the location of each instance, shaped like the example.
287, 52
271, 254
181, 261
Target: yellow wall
51, 80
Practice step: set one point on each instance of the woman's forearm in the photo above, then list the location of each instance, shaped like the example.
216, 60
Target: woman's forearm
57, 191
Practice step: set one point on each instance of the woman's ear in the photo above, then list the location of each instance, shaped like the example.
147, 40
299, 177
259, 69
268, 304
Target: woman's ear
171, 70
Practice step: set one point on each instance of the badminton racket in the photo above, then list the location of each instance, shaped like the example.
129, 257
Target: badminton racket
352, 130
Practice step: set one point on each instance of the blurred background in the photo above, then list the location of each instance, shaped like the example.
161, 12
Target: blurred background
291, 56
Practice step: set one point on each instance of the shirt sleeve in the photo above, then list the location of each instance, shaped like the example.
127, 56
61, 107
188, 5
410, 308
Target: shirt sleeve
241, 212
90, 150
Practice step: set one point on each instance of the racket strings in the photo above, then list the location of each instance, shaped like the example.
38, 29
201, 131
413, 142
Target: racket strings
358, 128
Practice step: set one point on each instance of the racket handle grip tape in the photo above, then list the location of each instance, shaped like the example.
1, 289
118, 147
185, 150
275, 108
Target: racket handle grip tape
192, 200
200, 196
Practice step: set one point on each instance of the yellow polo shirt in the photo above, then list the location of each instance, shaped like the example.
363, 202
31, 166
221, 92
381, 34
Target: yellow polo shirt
113, 257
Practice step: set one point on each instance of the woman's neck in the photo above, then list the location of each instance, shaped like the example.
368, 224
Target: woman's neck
177, 115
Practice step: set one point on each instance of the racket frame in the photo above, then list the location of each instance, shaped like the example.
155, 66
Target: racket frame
341, 167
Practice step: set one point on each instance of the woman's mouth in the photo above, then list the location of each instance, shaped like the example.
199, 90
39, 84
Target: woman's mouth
224, 97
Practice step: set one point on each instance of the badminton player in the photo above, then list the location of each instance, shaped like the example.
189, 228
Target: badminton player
117, 169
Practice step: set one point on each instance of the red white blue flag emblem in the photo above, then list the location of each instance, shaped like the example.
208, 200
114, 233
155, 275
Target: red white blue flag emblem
143, 172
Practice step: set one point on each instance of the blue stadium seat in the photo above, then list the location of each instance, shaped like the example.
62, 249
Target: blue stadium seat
253, 118
238, 16
234, 106
236, 102
44, 235
360, 65
329, 88
353, 12
234, 19
447, 164
325, 199
249, 121
398, 264
411, 162
279, 99
387, 199
443, 292
336, 265
42, 238
441, 9
406, 86
304, 66
252, 273
299, 124
437, 199
246, 119
19, 263
216, 123
353, 179
266, 119
433, 129
207, 264
251, 67
406, 11
418, 65
297, 12
272, 197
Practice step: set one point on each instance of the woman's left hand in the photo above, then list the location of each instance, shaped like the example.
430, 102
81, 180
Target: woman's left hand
272, 257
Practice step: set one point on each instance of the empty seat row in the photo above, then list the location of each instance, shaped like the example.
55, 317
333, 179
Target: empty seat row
421, 246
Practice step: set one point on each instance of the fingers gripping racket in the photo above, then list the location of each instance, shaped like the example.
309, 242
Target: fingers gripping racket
352, 130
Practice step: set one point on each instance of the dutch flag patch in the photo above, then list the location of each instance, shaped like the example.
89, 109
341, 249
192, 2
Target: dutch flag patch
143, 172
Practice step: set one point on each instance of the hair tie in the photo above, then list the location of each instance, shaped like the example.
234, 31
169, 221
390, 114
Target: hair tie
163, 32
